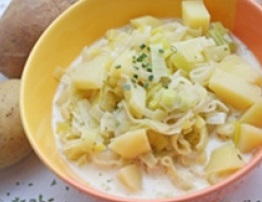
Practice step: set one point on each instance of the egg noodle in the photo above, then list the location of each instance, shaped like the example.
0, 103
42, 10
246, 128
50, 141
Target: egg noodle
146, 97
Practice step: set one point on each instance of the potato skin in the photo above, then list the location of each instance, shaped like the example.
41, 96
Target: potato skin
20, 27
14, 145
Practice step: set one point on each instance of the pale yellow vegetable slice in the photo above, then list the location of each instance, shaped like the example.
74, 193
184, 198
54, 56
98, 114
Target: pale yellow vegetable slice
224, 159
131, 177
235, 65
90, 74
253, 115
193, 48
195, 14
145, 20
131, 144
233, 90
217, 53
136, 99
250, 137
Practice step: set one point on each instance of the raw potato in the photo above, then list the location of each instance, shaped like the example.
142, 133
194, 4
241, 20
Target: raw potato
20, 27
14, 145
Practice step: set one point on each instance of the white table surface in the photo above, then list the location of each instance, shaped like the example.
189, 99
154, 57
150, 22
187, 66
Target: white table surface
31, 181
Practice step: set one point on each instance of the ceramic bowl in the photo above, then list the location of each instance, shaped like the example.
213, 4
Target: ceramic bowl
84, 23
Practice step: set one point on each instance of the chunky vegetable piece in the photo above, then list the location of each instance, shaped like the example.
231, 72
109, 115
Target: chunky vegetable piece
195, 15
131, 144
84, 79
131, 177
253, 115
249, 138
233, 90
224, 159
235, 65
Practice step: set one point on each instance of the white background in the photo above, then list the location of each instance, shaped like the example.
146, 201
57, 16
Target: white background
31, 181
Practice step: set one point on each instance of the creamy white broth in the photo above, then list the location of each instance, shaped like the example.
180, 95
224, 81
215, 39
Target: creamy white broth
155, 184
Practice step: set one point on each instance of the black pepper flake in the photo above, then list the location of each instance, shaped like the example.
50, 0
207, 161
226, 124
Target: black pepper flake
67, 188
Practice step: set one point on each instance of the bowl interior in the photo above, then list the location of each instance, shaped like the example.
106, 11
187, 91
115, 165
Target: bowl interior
81, 25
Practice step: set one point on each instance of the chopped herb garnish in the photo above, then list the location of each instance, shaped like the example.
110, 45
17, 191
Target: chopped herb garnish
136, 67
135, 76
145, 85
141, 57
108, 181
127, 87
145, 65
149, 70
150, 78
142, 46
161, 51
118, 66
133, 80
174, 49
51, 200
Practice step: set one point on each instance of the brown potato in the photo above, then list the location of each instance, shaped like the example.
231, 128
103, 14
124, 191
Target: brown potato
20, 27
14, 145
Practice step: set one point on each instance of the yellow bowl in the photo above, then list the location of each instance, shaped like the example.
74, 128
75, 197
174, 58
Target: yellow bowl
82, 24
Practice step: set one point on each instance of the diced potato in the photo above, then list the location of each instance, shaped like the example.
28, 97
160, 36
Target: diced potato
90, 74
131, 177
192, 48
145, 21
235, 65
233, 90
131, 144
195, 15
253, 115
122, 64
224, 159
249, 138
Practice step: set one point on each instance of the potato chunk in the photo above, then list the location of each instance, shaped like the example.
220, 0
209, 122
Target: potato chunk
195, 14
131, 177
90, 74
249, 138
253, 115
131, 144
224, 159
235, 65
234, 91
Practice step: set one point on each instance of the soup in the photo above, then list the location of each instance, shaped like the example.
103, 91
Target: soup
158, 109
